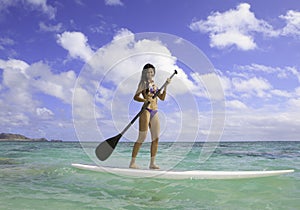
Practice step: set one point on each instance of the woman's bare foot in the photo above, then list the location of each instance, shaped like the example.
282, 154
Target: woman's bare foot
132, 163
153, 166
134, 166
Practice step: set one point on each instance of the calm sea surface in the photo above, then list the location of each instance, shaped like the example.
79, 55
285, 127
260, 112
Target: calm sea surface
40, 176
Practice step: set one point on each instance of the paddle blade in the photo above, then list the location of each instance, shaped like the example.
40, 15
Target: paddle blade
104, 150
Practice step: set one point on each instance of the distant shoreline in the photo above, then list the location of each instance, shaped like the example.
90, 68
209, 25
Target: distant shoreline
29, 140
11, 137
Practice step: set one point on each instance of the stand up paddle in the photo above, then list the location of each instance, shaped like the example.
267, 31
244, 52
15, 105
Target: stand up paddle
105, 148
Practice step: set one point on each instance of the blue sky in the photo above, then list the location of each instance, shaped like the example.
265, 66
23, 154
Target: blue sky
57, 79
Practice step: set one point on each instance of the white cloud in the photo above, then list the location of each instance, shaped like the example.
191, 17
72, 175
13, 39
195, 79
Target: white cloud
5, 4
16, 81
13, 64
297, 92
21, 84
265, 123
235, 27
235, 104
6, 42
206, 86
79, 2
281, 72
229, 38
58, 85
76, 44
259, 67
33, 98
255, 110
125, 57
294, 104
294, 72
114, 2
226, 83
13, 118
47, 9
50, 28
281, 93
44, 113
42, 5
250, 88
253, 86
83, 104
292, 27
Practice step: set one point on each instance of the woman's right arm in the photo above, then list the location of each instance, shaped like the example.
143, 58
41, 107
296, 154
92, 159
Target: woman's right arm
137, 96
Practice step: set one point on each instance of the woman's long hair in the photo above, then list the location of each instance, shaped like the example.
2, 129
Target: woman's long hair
144, 82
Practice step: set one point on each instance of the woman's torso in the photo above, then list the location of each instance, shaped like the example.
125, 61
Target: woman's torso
148, 93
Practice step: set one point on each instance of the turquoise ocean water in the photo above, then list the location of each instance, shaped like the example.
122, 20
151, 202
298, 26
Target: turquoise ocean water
40, 176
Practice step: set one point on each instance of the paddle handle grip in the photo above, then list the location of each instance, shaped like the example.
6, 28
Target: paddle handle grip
164, 85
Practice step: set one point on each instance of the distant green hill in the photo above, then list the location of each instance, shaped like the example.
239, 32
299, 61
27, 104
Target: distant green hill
18, 137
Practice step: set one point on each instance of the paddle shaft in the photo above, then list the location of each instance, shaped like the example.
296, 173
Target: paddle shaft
105, 148
145, 106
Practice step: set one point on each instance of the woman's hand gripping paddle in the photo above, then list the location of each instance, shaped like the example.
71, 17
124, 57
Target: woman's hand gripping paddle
105, 148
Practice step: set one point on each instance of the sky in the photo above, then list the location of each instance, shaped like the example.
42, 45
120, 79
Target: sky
69, 69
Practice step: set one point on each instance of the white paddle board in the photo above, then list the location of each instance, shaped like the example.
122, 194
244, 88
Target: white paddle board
142, 173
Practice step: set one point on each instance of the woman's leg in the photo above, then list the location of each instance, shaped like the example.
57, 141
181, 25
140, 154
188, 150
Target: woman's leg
143, 127
155, 130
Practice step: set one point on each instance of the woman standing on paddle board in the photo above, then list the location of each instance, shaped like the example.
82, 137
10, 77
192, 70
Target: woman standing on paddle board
149, 117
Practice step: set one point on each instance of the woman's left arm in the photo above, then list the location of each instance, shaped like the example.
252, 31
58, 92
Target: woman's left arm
162, 95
